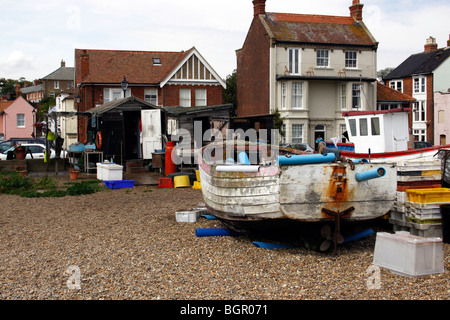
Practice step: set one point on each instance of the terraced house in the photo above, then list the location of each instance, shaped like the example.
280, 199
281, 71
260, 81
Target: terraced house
311, 68
426, 77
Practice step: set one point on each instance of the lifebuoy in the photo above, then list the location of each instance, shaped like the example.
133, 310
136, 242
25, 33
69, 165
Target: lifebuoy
98, 140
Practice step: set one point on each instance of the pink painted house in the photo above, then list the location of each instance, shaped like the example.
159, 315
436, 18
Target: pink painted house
442, 118
16, 120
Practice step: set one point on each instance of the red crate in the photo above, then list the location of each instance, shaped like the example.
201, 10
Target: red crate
165, 183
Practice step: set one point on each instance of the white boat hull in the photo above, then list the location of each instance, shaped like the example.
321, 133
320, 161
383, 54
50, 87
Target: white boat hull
308, 193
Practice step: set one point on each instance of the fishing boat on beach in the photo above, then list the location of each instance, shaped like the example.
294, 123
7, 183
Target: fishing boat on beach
249, 185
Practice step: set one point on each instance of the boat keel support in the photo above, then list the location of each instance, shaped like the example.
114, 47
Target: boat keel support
337, 215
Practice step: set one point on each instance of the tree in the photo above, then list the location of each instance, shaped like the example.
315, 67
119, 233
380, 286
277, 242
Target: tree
230, 93
384, 72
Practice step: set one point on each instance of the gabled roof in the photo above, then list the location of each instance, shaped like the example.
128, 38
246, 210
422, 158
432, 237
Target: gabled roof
420, 63
317, 29
110, 66
387, 94
63, 73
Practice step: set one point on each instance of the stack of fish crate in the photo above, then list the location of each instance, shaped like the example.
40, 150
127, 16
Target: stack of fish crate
419, 196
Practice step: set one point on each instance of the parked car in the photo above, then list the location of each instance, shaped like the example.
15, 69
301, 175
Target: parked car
299, 146
5, 145
422, 144
34, 151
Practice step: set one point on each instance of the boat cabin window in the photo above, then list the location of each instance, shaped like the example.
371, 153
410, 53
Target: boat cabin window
375, 123
352, 123
363, 127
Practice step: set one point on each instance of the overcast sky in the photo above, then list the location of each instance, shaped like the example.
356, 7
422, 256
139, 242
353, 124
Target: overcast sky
35, 35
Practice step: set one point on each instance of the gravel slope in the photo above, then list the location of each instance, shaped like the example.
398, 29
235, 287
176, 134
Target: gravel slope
126, 244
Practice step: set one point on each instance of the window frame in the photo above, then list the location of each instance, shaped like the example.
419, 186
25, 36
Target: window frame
297, 95
203, 101
297, 139
293, 59
20, 123
349, 60
358, 105
186, 99
151, 96
343, 96
322, 59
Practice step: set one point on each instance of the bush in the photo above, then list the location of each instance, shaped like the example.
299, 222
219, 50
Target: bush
15, 183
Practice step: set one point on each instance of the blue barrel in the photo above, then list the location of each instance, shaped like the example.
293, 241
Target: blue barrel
370, 174
306, 159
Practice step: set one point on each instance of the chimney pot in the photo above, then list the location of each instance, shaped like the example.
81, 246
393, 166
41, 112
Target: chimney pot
63, 64
448, 41
259, 7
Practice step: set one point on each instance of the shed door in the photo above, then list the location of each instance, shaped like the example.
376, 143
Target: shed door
151, 132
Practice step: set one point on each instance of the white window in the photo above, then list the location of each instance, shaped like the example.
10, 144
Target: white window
419, 111
20, 120
343, 93
294, 60
283, 95
297, 133
156, 61
419, 85
110, 94
419, 135
356, 96
69, 84
185, 97
351, 59
151, 95
397, 85
200, 97
297, 95
323, 58
56, 84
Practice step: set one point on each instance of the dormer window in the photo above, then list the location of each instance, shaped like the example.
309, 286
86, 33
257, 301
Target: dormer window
157, 61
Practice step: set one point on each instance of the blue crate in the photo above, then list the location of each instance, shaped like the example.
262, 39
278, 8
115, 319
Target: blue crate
119, 184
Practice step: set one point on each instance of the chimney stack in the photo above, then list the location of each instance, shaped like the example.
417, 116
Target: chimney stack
18, 92
84, 65
448, 41
356, 10
431, 44
63, 64
259, 7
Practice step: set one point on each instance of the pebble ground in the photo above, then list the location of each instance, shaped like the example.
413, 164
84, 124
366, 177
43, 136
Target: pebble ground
126, 244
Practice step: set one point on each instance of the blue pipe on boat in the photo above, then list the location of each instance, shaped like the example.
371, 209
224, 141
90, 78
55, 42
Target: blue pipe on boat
215, 232
359, 235
306, 159
360, 161
243, 158
370, 174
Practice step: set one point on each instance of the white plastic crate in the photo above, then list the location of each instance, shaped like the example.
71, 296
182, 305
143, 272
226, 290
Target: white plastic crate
186, 216
408, 254
112, 172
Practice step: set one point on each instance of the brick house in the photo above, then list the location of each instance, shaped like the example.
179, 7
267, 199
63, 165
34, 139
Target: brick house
58, 81
34, 93
422, 75
310, 68
161, 78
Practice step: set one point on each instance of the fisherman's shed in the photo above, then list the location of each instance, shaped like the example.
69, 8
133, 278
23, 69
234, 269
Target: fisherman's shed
126, 129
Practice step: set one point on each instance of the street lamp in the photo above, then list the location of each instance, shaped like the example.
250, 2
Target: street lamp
34, 123
124, 85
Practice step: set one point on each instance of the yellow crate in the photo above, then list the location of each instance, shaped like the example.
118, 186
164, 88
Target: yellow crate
441, 195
